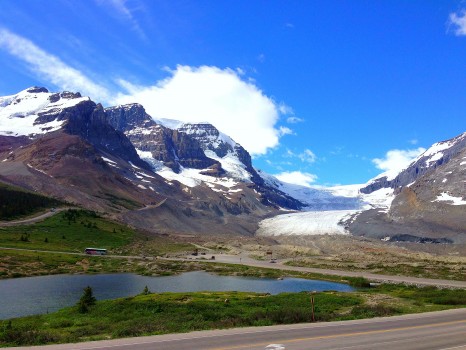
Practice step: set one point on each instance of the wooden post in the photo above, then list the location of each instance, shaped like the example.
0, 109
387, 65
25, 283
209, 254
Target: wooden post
313, 306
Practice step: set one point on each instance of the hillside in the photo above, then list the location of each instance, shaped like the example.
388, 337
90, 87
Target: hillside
15, 202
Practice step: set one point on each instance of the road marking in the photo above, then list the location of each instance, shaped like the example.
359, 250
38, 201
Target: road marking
344, 335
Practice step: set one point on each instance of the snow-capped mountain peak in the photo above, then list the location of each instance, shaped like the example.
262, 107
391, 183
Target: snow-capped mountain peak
437, 150
209, 136
438, 154
27, 112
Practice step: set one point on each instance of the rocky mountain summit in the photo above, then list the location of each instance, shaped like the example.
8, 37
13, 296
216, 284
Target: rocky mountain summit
437, 155
172, 148
429, 202
191, 146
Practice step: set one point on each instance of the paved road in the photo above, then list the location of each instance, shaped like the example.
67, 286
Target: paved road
439, 330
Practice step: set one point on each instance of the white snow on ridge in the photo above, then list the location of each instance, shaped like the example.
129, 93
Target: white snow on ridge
306, 223
19, 112
188, 177
445, 197
169, 123
435, 152
232, 165
193, 178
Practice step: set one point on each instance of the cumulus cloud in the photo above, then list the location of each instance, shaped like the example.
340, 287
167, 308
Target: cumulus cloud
222, 97
297, 178
457, 22
396, 160
50, 67
218, 96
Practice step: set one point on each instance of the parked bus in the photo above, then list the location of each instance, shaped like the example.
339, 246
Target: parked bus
95, 251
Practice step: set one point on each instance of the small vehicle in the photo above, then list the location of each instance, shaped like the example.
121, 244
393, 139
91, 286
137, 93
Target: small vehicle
95, 251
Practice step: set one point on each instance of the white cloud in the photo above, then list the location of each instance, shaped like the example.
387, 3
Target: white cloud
284, 109
414, 141
123, 11
219, 96
294, 120
457, 21
297, 178
283, 130
396, 160
308, 156
50, 67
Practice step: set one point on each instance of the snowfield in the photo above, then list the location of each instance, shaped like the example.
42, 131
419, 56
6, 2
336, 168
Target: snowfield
306, 223
445, 197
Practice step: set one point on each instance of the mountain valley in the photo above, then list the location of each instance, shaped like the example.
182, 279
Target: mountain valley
190, 178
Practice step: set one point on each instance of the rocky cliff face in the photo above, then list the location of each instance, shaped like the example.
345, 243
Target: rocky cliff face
172, 147
211, 139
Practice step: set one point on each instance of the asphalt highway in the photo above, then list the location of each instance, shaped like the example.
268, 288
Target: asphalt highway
444, 330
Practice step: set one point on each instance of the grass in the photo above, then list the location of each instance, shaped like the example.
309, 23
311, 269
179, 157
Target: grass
72, 231
69, 231
171, 313
17, 263
184, 312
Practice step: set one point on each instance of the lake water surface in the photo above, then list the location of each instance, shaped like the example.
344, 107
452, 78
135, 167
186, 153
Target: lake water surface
39, 295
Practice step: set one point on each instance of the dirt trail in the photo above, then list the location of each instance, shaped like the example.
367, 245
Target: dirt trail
34, 219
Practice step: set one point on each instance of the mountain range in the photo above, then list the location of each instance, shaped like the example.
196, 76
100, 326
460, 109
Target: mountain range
167, 176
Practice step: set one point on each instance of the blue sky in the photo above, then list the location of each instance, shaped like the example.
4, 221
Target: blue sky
320, 92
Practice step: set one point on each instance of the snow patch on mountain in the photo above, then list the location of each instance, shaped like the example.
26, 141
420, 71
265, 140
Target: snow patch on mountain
210, 136
435, 152
445, 197
193, 177
232, 165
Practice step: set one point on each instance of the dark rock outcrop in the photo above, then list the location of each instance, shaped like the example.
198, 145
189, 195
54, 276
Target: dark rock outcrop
174, 148
88, 120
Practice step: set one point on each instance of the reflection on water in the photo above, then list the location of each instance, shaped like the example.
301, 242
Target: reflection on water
38, 295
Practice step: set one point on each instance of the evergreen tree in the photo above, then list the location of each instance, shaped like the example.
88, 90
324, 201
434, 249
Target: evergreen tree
86, 300
146, 291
